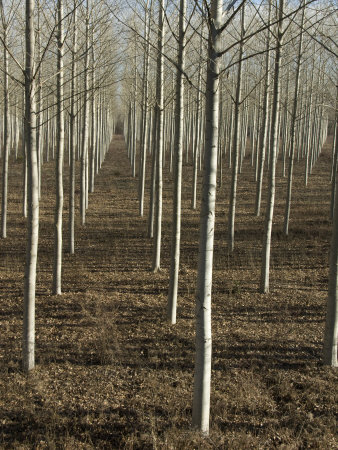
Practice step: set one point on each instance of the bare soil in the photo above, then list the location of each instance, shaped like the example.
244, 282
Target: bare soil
112, 373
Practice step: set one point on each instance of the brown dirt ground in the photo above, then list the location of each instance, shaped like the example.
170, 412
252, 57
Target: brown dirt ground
112, 373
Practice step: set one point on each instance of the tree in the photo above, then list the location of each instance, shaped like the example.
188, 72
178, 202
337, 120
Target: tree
32, 195
293, 128
85, 126
145, 109
159, 136
6, 124
236, 147
202, 373
264, 132
72, 127
179, 115
264, 286
59, 155
331, 327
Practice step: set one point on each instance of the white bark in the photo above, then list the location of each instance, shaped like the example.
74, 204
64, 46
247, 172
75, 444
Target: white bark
264, 286
293, 130
6, 141
179, 115
33, 196
263, 135
331, 327
145, 124
334, 161
72, 132
85, 128
159, 149
236, 147
59, 156
93, 148
153, 177
134, 127
202, 374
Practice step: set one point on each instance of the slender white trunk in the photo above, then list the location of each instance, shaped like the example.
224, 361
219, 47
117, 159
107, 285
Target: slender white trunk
264, 132
334, 174
24, 174
292, 131
5, 130
179, 115
308, 134
33, 196
331, 327
153, 177
202, 373
134, 138
145, 124
93, 148
264, 286
73, 134
85, 128
159, 149
197, 130
38, 98
59, 156
236, 145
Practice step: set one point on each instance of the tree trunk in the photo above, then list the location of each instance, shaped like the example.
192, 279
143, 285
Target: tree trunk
236, 145
331, 327
93, 148
179, 115
202, 373
334, 161
292, 130
6, 130
32, 197
264, 286
59, 156
153, 177
145, 124
264, 132
85, 128
159, 150
73, 134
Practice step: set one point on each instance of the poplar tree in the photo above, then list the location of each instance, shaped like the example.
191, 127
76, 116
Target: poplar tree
32, 195
72, 128
159, 140
264, 286
202, 373
179, 115
59, 155
293, 127
6, 124
331, 327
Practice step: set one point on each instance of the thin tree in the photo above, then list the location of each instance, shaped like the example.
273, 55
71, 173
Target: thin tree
32, 195
6, 141
159, 136
145, 106
264, 131
85, 125
59, 155
331, 327
236, 147
293, 128
179, 115
264, 286
202, 373
72, 127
